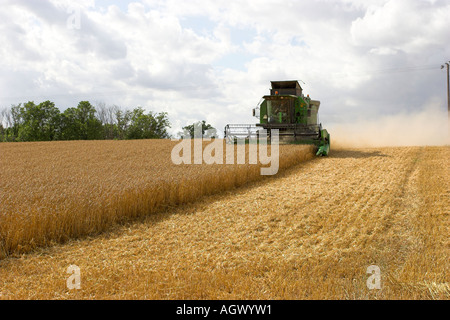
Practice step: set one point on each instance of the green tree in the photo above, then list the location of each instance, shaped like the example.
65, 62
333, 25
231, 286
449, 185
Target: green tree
212, 132
162, 123
146, 126
37, 122
2, 133
80, 123
44, 122
16, 121
90, 127
123, 122
69, 126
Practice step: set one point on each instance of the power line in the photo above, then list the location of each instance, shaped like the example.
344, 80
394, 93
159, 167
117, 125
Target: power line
387, 71
405, 69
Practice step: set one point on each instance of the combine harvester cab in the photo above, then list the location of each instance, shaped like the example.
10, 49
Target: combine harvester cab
287, 110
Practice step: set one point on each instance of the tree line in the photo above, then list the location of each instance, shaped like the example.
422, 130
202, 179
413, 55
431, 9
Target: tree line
45, 122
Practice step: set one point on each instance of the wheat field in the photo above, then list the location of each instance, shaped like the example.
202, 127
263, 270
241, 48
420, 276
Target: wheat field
55, 191
310, 232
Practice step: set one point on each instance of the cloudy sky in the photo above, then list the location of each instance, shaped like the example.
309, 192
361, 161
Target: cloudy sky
214, 60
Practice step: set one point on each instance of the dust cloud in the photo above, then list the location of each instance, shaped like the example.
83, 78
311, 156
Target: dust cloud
429, 127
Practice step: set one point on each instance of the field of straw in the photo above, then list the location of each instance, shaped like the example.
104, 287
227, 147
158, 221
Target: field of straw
310, 232
52, 192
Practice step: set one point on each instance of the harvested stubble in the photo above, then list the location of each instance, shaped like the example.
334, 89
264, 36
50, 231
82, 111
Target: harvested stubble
53, 191
310, 233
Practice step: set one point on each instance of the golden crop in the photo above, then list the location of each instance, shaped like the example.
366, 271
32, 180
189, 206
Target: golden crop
54, 191
309, 233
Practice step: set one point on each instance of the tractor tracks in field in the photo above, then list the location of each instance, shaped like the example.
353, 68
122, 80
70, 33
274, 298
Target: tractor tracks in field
403, 209
365, 201
312, 231
426, 226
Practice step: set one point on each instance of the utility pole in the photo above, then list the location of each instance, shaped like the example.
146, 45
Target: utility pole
448, 87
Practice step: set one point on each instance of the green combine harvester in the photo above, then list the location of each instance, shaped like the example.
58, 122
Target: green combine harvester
287, 110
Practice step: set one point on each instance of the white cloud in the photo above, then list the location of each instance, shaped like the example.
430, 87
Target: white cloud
358, 57
411, 26
383, 51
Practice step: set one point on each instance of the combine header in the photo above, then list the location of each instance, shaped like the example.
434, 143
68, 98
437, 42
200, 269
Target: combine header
287, 110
